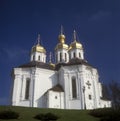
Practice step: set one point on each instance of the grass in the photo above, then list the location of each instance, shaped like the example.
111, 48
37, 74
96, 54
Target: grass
27, 114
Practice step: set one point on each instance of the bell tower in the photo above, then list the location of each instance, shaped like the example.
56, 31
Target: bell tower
76, 48
61, 50
38, 52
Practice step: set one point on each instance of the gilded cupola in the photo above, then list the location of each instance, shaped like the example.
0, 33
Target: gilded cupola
61, 44
38, 47
75, 44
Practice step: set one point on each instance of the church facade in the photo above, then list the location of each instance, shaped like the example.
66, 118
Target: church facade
70, 83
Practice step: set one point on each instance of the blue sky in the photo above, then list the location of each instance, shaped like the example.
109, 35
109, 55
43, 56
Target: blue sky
97, 23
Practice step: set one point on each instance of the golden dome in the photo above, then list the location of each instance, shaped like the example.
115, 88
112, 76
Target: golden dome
38, 48
61, 46
61, 38
75, 45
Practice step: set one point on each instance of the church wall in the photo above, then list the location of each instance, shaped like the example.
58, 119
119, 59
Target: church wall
16, 86
88, 99
66, 74
39, 83
63, 81
97, 90
55, 99
105, 103
20, 88
92, 96
88, 90
44, 80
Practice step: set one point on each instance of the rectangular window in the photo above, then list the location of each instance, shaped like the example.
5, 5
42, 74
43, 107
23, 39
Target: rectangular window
27, 89
74, 55
74, 89
39, 57
56, 57
33, 57
90, 97
60, 57
65, 57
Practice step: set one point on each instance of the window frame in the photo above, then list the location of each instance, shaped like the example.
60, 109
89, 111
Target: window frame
74, 88
27, 89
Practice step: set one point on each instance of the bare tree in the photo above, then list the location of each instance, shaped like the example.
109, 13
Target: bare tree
114, 88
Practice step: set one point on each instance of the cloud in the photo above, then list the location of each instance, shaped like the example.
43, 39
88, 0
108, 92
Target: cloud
13, 53
99, 15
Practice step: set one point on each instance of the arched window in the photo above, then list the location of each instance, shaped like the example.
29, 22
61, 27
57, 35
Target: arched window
69, 56
27, 88
65, 57
79, 55
74, 89
56, 57
74, 55
39, 57
90, 97
60, 57
33, 57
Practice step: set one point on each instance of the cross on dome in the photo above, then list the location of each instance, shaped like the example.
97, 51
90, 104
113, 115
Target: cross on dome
74, 35
38, 39
61, 32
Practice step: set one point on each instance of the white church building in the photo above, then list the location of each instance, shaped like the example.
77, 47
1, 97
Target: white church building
70, 83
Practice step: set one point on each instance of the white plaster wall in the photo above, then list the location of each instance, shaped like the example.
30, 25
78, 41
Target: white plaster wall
64, 82
41, 81
83, 74
56, 99
44, 80
37, 54
90, 74
76, 51
74, 104
19, 86
16, 88
105, 104
63, 51
66, 74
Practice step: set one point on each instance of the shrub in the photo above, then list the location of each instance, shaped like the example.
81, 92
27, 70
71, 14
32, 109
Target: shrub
106, 114
46, 117
39, 116
51, 116
101, 112
8, 114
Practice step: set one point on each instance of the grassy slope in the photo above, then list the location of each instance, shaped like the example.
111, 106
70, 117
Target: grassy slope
27, 114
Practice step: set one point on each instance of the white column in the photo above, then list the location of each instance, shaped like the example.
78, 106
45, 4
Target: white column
16, 90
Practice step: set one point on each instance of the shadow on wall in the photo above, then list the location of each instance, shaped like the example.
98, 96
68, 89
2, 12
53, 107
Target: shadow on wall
42, 101
53, 79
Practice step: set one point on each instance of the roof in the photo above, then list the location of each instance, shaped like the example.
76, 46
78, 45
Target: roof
75, 61
57, 88
37, 64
